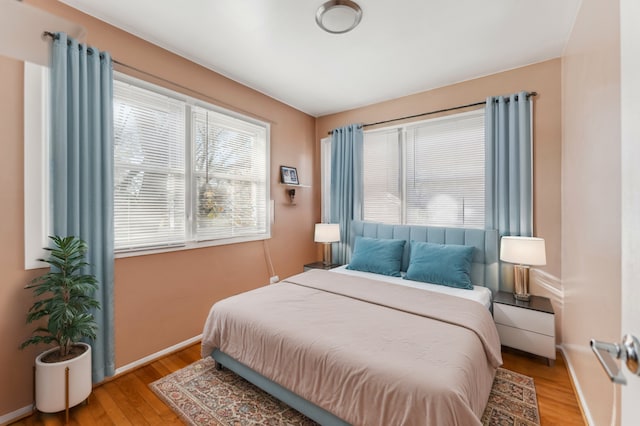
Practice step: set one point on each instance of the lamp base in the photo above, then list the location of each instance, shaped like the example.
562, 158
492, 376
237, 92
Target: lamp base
521, 283
326, 254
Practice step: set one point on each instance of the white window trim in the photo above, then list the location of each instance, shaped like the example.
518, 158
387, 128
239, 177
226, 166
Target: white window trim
190, 245
36, 166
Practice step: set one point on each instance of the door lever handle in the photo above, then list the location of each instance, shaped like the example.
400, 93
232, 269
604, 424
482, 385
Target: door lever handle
626, 351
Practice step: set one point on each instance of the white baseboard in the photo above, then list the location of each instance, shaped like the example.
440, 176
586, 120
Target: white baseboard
15, 415
576, 385
157, 355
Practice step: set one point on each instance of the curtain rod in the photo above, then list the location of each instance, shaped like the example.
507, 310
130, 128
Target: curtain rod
218, 102
433, 112
122, 64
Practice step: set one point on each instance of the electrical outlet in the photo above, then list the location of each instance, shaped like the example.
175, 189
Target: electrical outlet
274, 279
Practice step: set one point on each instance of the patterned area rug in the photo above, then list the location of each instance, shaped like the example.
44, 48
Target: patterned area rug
202, 395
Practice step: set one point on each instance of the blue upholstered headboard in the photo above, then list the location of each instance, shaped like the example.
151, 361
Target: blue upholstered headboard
484, 268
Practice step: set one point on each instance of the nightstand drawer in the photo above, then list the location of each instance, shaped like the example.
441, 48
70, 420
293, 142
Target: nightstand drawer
527, 341
525, 319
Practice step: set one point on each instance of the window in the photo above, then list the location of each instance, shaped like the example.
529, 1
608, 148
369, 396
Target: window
230, 172
445, 171
185, 172
426, 173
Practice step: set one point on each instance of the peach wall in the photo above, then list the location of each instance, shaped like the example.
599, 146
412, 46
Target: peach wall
543, 78
591, 197
15, 365
160, 300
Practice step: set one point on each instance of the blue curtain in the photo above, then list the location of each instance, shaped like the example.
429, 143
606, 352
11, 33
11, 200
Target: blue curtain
346, 185
508, 176
82, 172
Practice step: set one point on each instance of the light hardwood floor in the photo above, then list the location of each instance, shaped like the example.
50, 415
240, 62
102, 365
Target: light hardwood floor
127, 400
557, 400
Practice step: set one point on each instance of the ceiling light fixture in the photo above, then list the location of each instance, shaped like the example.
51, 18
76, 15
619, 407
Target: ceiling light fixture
338, 16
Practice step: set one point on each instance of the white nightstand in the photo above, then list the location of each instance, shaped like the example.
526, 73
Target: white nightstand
528, 326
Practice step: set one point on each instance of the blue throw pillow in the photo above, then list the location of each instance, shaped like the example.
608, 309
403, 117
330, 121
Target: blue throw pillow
377, 255
444, 264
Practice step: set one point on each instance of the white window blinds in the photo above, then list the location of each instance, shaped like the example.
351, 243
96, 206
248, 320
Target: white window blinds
445, 171
382, 158
186, 172
428, 173
149, 168
229, 169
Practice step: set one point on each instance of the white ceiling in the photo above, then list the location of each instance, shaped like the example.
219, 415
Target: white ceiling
400, 47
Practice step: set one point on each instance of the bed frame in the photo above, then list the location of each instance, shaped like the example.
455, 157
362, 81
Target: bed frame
484, 272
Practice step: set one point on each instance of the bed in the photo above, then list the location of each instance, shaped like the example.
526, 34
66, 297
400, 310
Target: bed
351, 347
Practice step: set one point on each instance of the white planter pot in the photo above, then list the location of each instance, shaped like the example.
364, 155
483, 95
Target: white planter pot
50, 381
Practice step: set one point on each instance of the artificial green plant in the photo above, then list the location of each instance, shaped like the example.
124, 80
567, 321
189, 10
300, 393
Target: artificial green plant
66, 297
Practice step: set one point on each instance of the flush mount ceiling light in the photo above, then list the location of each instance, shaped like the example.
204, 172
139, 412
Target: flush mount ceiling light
338, 16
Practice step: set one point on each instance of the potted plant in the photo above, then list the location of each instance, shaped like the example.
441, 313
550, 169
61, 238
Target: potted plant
64, 303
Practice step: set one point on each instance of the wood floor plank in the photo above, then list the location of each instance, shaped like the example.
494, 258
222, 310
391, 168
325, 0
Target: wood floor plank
147, 374
116, 415
161, 369
98, 413
173, 362
130, 409
190, 355
135, 392
81, 415
153, 408
127, 400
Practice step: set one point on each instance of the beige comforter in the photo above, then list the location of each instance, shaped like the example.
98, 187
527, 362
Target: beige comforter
369, 352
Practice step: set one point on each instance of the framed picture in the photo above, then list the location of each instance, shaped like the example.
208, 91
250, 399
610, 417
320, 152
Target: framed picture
289, 175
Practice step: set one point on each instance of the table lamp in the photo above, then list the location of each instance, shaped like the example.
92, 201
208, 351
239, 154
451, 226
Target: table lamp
522, 252
327, 233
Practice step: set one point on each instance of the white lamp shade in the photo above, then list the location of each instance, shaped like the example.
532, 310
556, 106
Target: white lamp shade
327, 233
523, 250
